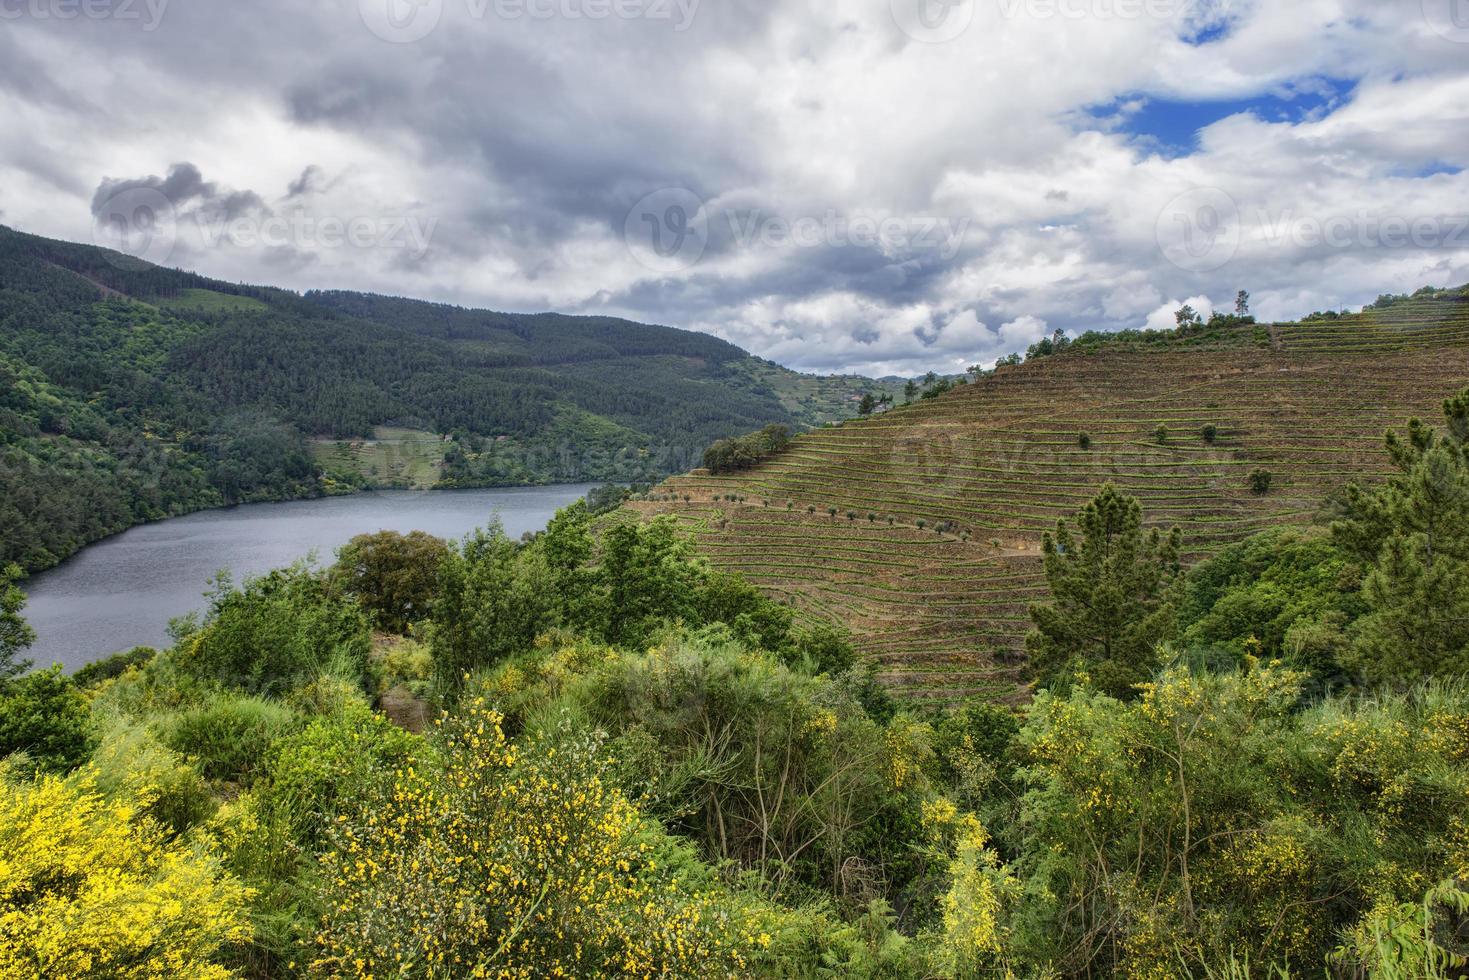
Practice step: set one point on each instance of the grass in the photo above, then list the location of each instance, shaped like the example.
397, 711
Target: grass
401, 458
945, 617
209, 301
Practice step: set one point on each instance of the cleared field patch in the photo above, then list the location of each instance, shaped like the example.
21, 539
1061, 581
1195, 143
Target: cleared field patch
920, 529
209, 301
407, 459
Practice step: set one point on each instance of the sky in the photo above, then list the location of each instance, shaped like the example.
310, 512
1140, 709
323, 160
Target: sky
856, 186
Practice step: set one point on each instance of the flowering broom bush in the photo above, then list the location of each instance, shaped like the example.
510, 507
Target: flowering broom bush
91, 889
490, 859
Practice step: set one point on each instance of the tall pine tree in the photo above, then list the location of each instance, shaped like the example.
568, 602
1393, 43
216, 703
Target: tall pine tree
1412, 538
1111, 601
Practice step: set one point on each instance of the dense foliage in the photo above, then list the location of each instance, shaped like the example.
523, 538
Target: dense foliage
622, 763
1110, 605
90, 890
731, 455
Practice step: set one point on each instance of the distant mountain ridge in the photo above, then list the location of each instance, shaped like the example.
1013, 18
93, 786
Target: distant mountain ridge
130, 392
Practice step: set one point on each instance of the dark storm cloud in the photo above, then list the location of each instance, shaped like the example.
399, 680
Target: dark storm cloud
184, 188
311, 179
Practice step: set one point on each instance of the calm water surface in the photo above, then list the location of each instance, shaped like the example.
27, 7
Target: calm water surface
121, 592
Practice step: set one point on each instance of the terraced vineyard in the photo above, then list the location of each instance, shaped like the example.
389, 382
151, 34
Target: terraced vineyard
920, 529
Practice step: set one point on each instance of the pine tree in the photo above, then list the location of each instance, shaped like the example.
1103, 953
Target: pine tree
1412, 537
15, 634
1111, 601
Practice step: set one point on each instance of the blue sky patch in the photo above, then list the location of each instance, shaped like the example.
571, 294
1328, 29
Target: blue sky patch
1171, 126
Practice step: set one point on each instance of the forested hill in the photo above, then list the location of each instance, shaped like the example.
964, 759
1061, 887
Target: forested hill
130, 392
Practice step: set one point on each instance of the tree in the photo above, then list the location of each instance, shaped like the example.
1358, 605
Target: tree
1412, 536
15, 633
1084, 440
647, 575
276, 632
1260, 481
44, 716
910, 390
1242, 304
1187, 318
1209, 433
867, 405
491, 603
607, 498
392, 575
1111, 596
728, 455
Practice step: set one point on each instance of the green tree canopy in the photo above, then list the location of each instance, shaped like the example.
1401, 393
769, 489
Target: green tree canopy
1412, 536
392, 575
1111, 601
15, 633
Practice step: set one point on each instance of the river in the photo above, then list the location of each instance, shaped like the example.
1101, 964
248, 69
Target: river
121, 592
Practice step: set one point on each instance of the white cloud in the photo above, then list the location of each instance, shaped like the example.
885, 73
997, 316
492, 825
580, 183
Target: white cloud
525, 142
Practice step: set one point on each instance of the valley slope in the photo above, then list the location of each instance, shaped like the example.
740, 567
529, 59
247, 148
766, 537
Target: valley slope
131, 392
833, 524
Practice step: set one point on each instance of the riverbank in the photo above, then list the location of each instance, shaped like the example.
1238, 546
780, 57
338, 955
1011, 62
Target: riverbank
122, 591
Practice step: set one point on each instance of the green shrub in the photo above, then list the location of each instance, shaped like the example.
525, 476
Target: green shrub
1209, 433
132, 763
1084, 440
114, 666
45, 717
408, 662
277, 632
1260, 481
231, 736
329, 767
1160, 434
843, 780
1359, 799
1288, 591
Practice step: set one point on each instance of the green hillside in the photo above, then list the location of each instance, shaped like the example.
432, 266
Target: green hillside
130, 392
920, 529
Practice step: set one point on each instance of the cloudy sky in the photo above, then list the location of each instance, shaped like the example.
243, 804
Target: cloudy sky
875, 186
